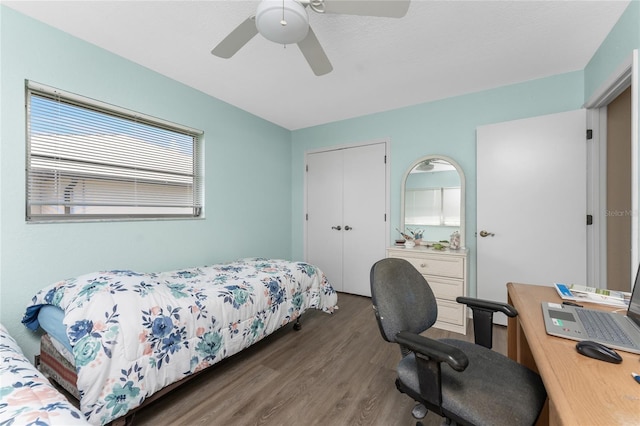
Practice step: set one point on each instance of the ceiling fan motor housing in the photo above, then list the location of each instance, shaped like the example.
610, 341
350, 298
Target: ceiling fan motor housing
282, 21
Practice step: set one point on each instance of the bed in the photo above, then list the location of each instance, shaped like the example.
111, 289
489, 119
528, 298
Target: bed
26, 396
129, 335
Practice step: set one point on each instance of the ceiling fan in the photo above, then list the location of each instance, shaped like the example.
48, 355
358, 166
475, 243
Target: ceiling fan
287, 22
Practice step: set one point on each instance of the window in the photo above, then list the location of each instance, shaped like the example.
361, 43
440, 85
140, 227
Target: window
423, 206
433, 206
451, 206
90, 160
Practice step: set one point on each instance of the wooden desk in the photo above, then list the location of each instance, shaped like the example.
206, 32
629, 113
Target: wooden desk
582, 391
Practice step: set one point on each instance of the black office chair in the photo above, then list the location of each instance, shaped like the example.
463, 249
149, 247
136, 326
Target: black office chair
464, 382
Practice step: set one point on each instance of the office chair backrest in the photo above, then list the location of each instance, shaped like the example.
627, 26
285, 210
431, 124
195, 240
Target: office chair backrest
402, 299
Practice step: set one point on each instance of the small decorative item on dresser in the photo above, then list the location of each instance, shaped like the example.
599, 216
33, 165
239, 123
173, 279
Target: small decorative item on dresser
404, 235
413, 238
417, 234
454, 242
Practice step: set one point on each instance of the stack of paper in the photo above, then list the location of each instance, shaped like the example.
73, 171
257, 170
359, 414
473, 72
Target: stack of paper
592, 294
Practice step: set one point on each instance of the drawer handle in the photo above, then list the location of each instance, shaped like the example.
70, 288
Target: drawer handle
423, 265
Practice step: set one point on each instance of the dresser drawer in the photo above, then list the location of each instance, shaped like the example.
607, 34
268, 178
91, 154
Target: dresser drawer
450, 312
446, 266
445, 271
445, 288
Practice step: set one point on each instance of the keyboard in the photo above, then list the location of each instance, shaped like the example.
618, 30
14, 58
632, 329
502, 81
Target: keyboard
600, 325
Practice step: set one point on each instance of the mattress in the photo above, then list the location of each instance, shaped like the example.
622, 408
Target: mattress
50, 318
57, 367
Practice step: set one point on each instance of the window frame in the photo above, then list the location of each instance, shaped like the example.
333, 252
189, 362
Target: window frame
195, 178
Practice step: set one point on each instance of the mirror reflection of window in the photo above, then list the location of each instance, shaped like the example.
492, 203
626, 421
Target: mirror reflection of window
451, 206
432, 207
423, 207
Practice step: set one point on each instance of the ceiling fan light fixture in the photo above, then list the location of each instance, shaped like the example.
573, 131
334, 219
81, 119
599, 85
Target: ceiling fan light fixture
282, 21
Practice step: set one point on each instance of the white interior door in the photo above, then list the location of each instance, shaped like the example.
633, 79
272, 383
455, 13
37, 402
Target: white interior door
347, 206
364, 215
324, 214
531, 203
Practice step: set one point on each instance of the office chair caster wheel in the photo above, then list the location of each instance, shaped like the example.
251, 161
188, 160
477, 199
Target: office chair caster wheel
419, 411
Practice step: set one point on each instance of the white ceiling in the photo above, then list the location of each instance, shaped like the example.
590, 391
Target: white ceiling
438, 50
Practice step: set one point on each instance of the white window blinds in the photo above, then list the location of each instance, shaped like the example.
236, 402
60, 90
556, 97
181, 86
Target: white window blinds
432, 207
90, 160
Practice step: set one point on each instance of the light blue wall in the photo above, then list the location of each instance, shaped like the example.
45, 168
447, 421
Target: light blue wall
445, 127
248, 174
614, 50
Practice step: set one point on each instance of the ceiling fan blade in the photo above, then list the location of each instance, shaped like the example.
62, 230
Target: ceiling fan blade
236, 39
314, 54
382, 8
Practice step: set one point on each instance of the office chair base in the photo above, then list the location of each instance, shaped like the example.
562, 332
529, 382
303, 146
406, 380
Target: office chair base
419, 411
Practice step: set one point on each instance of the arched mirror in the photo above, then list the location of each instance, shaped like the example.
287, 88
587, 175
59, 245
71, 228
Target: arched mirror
433, 199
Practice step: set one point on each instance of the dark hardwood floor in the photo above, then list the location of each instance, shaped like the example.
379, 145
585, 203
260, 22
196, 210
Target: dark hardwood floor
337, 370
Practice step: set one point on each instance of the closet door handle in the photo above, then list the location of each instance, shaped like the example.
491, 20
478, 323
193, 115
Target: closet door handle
348, 228
337, 228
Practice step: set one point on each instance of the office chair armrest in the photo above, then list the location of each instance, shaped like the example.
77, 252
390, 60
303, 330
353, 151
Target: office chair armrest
488, 305
434, 349
483, 311
429, 356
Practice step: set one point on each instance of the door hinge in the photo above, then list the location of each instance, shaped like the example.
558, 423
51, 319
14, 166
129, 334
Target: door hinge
385, 217
385, 159
589, 134
306, 168
589, 219
306, 216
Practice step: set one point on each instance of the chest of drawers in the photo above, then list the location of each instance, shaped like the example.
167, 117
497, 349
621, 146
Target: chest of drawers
446, 273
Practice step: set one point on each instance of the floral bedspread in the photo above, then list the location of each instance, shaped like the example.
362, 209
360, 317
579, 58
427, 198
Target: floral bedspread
133, 334
26, 396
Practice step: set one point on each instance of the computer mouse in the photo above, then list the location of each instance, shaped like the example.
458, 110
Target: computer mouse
598, 351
